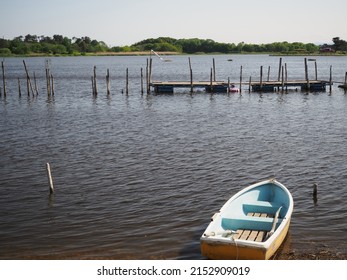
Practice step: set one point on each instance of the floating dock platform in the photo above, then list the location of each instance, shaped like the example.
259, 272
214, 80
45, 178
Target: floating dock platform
221, 86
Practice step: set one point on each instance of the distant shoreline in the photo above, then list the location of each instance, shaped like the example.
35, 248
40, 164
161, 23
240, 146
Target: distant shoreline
147, 53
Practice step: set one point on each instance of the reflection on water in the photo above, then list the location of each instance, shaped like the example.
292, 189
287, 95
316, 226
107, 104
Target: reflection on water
140, 176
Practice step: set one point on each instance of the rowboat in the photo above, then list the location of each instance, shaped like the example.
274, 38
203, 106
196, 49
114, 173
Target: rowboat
233, 89
252, 224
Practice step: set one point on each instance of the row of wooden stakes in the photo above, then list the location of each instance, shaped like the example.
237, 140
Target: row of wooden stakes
30, 87
108, 81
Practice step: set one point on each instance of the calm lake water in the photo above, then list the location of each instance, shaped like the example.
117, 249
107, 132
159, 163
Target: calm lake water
138, 177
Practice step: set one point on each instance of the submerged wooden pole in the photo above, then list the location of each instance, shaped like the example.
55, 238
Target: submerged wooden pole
50, 179
3, 77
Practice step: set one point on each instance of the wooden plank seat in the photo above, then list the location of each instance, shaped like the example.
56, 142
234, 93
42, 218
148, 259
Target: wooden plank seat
258, 222
252, 235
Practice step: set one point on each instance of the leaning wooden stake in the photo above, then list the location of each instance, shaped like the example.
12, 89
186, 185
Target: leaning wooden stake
29, 85
50, 179
35, 84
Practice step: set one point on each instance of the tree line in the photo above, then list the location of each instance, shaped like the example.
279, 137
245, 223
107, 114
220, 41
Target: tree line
56, 45
61, 45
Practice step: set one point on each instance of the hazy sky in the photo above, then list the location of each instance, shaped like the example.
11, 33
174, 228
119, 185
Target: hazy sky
124, 22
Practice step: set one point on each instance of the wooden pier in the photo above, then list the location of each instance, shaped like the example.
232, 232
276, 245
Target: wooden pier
256, 86
282, 83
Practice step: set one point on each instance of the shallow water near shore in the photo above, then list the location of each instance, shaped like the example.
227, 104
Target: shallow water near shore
139, 176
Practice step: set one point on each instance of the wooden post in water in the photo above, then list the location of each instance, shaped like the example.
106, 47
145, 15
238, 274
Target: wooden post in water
228, 89
127, 81
29, 85
211, 83
150, 75
331, 78
279, 69
286, 75
306, 75
50, 179
316, 70
141, 81
19, 89
240, 79
35, 84
214, 70
3, 77
147, 82
191, 75
261, 78
48, 82
94, 81
250, 84
268, 73
52, 84
108, 82
282, 78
